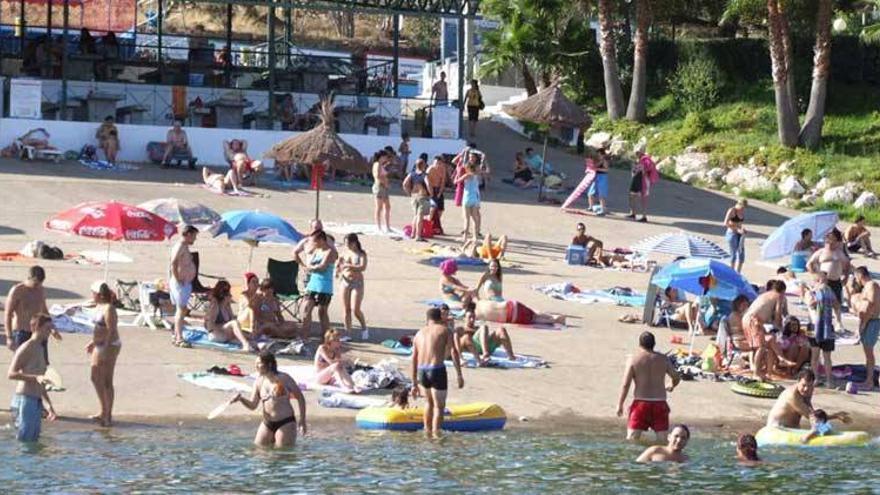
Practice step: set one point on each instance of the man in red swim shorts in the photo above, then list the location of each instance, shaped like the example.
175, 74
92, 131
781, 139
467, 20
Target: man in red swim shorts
648, 369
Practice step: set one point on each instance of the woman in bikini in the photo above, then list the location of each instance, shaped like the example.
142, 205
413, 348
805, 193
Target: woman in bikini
380, 190
330, 364
219, 319
736, 233
104, 350
452, 290
490, 282
350, 269
221, 182
270, 320
514, 312
272, 393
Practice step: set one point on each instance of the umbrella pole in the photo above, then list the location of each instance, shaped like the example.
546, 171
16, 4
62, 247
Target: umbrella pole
543, 161
250, 257
318, 200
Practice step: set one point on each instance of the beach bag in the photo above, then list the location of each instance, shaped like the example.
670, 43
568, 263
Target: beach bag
427, 229
50, 253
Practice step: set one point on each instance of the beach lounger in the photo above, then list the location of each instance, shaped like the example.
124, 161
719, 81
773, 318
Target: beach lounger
283, 275
151, 314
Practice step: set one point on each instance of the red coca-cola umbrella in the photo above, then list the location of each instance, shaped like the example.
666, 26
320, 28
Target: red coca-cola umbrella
111, 221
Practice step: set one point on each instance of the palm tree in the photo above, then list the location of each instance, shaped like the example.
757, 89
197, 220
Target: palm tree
780, 59
613, 91
637, 109
512, 44
811, 132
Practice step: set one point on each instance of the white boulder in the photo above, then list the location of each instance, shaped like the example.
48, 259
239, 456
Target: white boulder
787, 203
809, 198
619, 147
739, 175
823, 185
715, 175
866, 200
756, 184
691, 162
691, 177
839, 194
666, 165
599, 140
790, 187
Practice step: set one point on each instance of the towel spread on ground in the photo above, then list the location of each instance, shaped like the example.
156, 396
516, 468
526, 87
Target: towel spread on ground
498, 359
621, 296
216, 382
240, 193
71, 319
329, 398
360, 229
455, 308
462, 261
105, 165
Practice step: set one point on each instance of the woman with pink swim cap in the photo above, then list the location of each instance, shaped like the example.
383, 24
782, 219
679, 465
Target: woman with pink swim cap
452, 290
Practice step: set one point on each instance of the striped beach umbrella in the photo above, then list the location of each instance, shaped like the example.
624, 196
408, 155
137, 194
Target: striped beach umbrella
680, 244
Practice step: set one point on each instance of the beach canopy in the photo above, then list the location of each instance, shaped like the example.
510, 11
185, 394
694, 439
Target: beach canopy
255, 226
680, 244
551, 107
781, 242
320, 144
111, 221
701, 276
181, 212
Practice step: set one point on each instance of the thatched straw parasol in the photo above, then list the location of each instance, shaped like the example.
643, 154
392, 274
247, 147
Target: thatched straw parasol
319, 145
549, 107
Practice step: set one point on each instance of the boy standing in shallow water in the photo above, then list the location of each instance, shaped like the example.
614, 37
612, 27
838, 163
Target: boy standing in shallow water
28, 367
430, 346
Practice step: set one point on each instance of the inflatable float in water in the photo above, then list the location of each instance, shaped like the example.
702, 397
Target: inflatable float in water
478, 416
778, 436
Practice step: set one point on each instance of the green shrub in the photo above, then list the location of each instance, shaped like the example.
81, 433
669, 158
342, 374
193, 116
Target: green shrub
696, 85
696, 125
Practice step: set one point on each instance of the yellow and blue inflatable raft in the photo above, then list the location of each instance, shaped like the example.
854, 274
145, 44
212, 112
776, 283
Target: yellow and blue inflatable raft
777, 436
478, 416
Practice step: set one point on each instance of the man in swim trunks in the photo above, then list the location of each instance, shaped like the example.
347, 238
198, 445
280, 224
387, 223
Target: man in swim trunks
25, 300
28, 367
482, 341
182, 273
430, 347
768, 308
648, 369
796, 402
858, 238
866, 304
437, 177
832, 260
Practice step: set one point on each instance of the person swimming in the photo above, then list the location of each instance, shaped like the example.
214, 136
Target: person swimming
673, 451
747, 449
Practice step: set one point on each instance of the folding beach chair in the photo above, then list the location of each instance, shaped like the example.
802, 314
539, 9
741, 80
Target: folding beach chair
200, 292
283, 275
127, 295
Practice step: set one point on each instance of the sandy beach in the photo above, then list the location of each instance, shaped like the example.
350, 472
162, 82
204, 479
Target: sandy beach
586, 359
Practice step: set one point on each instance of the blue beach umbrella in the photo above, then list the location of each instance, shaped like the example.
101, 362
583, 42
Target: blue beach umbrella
680, 244
685, 275
781, 242
254, 227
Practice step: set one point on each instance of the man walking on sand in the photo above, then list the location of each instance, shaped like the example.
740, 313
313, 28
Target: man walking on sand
866, 304
648, 369
25, 300
28, 367
431, 345
183, 272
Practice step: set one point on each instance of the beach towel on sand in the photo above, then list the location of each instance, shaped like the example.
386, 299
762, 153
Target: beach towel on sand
498, 359
329, 398
240, 193
216, 382
437, 260
361, 229
568, 292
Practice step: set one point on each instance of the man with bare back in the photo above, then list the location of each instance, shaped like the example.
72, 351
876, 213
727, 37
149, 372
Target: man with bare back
768, 308
430, 347
866, 304
648, 369
25, 300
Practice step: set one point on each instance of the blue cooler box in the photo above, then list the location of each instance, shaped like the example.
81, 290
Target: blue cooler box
576, 255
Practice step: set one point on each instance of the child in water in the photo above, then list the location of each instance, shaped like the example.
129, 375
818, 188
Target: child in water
400, 398
819, 426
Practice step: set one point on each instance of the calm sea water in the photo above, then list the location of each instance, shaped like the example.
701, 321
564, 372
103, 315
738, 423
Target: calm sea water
221, 459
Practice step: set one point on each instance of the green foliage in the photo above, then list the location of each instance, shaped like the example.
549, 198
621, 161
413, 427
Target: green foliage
696, 85
423, 32
695, 125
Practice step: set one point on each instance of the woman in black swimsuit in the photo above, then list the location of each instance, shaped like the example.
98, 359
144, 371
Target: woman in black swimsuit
272, 393
736, 233
219, 319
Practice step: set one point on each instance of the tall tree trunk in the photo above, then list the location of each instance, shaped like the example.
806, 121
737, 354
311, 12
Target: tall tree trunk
637, 109
528, 79
786, 117
613, 91
789, 57
811, 132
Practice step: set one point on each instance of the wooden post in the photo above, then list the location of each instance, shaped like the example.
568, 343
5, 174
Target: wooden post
270, 18
395, 65
288, 34
22, 25
459, 55
160, 17
65, 32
